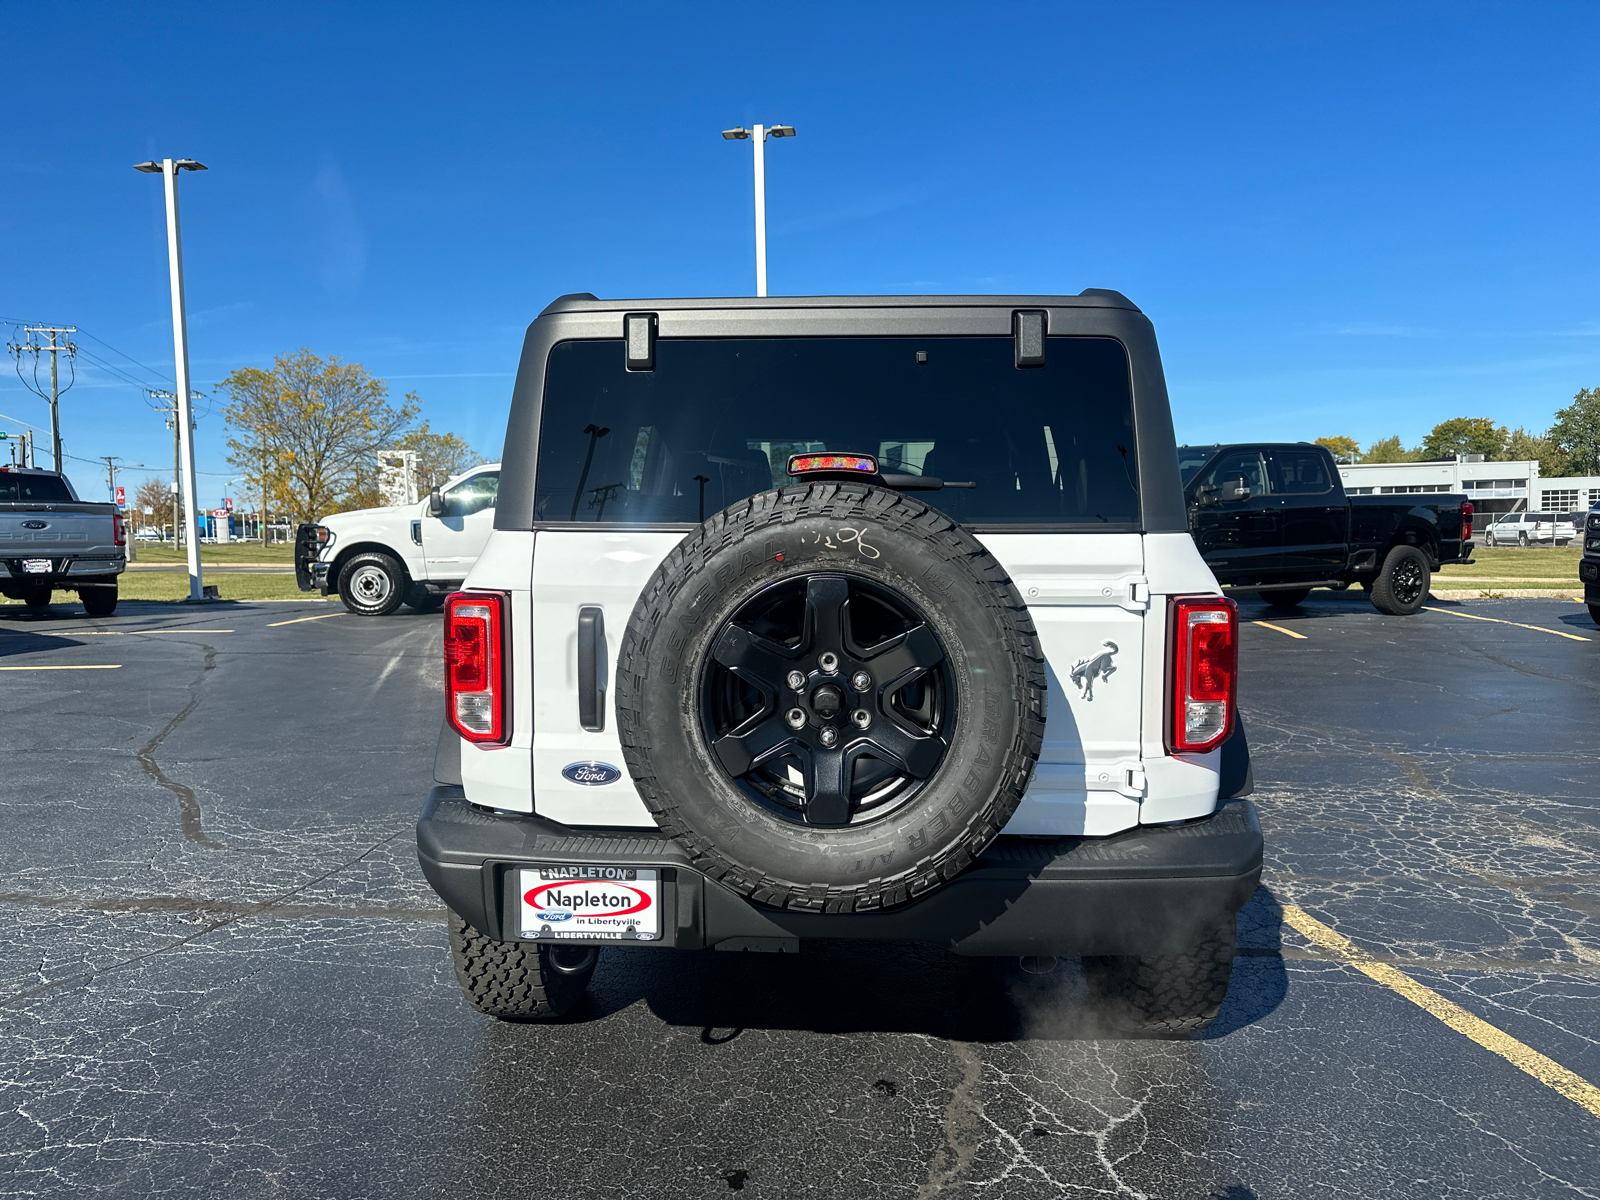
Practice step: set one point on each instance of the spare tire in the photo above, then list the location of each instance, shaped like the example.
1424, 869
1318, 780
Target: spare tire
832, 696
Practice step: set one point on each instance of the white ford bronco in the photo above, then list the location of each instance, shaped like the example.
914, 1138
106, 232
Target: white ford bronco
416, 554
842, 617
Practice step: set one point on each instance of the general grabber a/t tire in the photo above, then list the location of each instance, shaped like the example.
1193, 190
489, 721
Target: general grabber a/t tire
832, 696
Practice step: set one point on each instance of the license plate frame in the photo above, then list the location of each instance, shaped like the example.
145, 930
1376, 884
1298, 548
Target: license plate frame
599, 902
37, 566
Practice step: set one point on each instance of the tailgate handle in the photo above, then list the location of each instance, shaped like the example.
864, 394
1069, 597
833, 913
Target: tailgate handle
591, 657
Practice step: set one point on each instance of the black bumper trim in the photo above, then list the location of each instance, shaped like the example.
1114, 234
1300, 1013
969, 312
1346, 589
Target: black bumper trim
1149, 890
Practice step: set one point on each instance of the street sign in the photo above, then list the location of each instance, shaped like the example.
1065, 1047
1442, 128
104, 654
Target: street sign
122, 496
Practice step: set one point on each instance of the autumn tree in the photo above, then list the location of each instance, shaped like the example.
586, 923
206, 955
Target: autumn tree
1465, 435
439, 456
1577, 432
1553, 461
155, 495
1388, 450
303, 431
1342, 448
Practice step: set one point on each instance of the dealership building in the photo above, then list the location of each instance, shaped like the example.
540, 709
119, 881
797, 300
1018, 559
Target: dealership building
1493, 487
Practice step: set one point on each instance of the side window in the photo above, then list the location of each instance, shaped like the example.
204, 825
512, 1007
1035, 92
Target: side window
1299, 473
1244, 465
472, 495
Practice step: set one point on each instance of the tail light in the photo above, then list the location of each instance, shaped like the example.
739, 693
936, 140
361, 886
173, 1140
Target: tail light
1205, 673
1466, 521
119, 536
475, 679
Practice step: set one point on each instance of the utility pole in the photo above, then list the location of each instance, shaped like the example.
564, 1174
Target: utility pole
172, 424
168, 169
111, 475
53, 350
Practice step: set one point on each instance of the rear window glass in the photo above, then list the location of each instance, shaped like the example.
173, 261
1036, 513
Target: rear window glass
33, 489
717, 419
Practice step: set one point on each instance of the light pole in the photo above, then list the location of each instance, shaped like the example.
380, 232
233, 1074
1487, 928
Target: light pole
168, 169
759, 134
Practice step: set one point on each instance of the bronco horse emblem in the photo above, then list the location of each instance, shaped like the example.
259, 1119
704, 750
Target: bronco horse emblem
1097, 666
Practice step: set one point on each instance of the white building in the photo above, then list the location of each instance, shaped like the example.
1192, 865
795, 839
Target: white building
1493, 487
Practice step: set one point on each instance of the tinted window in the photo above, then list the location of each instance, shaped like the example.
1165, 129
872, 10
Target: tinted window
716, 421
33, 489
1241, 464
471, 495
1299, 473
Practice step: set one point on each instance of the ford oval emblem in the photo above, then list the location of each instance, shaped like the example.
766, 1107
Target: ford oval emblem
591, 774
36, 524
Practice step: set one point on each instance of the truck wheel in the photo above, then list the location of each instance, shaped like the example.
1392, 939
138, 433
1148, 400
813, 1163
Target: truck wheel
832, 696
1402, 584
99, 602
1488, 540
1522, 540
519, 981
1176, 995
1286, 597
37, 599
372, 584
1594, 613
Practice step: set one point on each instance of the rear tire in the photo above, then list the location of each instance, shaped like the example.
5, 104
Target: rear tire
37, 599
420, 599
99, 602
1594, 613
1286, 597
1168, 995
1489, 541
1522, 541
1402, 586
519, 981
372, 584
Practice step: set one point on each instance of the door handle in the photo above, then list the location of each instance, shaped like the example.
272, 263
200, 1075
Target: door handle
591, 659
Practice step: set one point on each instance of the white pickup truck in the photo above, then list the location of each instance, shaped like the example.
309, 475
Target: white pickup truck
777, 640
51, 541
416, 554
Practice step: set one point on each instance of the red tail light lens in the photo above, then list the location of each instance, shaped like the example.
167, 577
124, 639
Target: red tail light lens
474, 666
119, 536
1466, 521
1205, 673
805, 464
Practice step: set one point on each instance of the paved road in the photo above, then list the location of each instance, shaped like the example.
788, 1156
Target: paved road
227, 977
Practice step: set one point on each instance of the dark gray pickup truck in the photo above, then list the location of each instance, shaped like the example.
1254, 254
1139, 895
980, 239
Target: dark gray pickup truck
1274, 518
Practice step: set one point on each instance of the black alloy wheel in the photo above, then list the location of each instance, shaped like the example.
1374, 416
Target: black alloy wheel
828, 700
1408, 583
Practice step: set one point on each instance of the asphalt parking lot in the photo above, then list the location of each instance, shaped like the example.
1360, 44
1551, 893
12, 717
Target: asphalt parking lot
228, 977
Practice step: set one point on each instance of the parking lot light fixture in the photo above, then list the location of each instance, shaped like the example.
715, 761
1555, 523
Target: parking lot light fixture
758, 136
168, 169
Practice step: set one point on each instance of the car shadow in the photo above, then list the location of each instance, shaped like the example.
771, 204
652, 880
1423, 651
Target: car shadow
854, 987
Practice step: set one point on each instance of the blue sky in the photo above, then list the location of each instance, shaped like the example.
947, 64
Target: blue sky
1342, 218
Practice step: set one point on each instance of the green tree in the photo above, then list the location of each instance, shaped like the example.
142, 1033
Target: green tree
439, 455
1464, 435
303, 431
1388, 450
1577, 432
1553, 461
1342, 448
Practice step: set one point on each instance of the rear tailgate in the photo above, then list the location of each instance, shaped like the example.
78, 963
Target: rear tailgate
68, 535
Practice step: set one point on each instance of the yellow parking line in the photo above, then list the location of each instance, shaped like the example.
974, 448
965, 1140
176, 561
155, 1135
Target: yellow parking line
297, 620
1536, 628
1280, 629
1546, 1070
93, 667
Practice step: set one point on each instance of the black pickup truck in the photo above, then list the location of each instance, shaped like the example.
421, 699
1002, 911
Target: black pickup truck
1274, 518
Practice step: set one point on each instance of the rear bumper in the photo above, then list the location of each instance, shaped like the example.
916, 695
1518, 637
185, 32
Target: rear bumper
1150, 890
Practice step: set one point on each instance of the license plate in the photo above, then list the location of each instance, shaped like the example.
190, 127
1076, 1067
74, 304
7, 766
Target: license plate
36, 566
591, 902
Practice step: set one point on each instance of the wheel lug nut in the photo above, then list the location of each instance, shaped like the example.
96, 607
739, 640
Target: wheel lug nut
828, 661
830, 737
861, 681
861, 717
796, 680
795, 717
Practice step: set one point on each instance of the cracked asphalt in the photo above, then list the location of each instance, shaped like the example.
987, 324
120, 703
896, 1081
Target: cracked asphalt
226, 975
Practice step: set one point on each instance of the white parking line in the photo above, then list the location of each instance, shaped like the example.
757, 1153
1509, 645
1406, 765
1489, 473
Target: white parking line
1536, 628
86, 667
